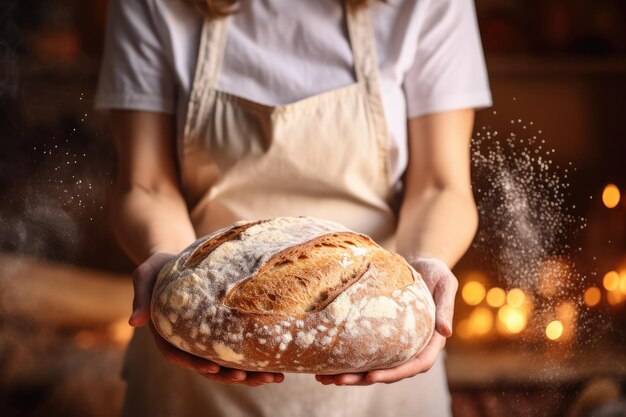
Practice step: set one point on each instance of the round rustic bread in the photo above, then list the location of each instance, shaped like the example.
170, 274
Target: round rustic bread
293, 294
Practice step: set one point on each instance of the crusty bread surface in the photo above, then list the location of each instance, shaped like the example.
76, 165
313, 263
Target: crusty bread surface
293, 294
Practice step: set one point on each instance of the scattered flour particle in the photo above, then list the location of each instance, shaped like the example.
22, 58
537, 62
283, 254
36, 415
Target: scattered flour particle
321, 328
227, 354
358, 251
179, 299
177, 341
340, 308
380, 307
385, 330
165, 325
326, 340
409, 322
262, 341
304, 340
204, 328
345, 262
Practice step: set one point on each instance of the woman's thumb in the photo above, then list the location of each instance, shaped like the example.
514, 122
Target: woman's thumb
143, 282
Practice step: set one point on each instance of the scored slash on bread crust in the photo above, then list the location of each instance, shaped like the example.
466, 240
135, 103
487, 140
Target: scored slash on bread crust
293, 295
209, 245
311, 266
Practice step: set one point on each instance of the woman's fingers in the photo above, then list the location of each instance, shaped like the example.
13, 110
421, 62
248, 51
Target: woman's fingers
236, 376
443, 285
252, 379
443, 295
421, 363
342, 379
144, 277
210, 369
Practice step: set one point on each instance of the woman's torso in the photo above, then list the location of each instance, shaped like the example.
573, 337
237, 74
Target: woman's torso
281, 51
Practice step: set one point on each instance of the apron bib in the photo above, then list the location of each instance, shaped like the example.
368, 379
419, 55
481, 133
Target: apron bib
324, 156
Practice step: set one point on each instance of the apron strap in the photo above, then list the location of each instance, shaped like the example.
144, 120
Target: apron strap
363, 42
208, 65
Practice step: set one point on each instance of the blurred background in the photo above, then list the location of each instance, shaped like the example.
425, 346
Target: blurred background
540, 328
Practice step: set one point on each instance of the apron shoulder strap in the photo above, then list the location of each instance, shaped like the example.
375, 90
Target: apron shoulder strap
363, 43
208, 65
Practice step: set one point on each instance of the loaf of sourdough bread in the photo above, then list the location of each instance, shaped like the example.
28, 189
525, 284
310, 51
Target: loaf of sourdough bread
293, 294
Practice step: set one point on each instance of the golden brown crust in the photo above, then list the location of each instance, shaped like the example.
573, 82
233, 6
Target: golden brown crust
303, 278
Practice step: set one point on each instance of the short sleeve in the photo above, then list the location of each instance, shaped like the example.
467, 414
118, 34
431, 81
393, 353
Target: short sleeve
135, 73
449, 70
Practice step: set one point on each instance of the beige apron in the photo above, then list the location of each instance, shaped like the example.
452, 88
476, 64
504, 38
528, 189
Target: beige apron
324, 156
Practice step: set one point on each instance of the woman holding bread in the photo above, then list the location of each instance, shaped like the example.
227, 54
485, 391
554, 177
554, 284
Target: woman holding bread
352, 111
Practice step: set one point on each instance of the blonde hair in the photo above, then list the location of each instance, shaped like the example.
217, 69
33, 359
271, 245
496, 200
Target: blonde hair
215, 9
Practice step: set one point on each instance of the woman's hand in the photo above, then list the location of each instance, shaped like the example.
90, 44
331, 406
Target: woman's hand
144, 278
443, 286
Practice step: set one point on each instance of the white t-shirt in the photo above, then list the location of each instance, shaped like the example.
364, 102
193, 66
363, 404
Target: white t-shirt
280, 51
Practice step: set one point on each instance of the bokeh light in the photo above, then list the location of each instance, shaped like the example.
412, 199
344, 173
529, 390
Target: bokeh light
513, 319
611, 281
614, 297
463, 329
473, 293
554, 330
611, 196
516, 297
592, 296
622, 282
496, 297
481, 321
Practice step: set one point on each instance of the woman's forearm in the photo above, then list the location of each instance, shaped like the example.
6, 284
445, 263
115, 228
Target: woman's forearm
146, 222
147, 211
439, 223
438, 216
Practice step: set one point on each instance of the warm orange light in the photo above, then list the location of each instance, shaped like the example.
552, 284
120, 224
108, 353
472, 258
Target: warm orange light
554, 330
611, 281
614, 297
611, 196
516, 297
592, 296
513, 319
496, 297
120, 332
473, 293
481, 321
463, 329
622, 281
